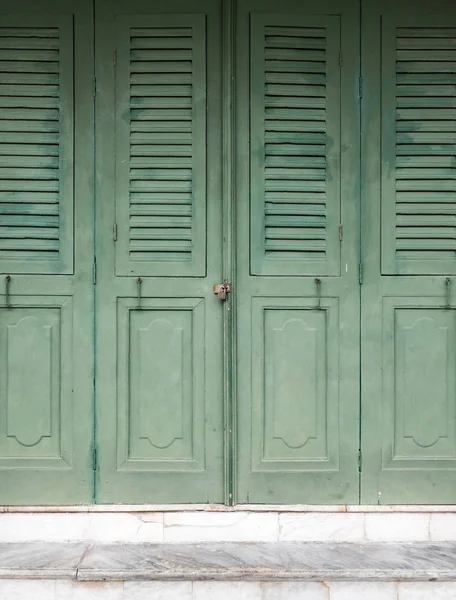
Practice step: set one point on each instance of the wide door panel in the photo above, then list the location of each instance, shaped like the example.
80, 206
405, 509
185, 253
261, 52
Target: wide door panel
46, 252
297, 287
408, 323
159, 344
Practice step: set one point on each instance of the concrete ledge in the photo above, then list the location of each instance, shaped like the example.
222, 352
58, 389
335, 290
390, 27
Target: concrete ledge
282, 561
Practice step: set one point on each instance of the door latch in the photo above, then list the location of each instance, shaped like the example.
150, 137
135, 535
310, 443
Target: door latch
222, 289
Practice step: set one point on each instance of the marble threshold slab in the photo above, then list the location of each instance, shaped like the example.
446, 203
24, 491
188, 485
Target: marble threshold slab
221, 508
231, 561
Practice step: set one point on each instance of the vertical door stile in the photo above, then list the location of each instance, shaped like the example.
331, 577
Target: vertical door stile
229, 246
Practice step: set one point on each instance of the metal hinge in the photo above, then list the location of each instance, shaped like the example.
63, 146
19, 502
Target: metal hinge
114, 57
94, 271
360, 273
341, 233
114, 232
94, 87
360, 461
341, 62
360, 91
94, 459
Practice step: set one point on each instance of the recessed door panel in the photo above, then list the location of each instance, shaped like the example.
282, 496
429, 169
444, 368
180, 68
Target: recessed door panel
295, 385
161, 392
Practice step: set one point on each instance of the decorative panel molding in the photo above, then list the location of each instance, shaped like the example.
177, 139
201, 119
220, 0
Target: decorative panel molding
295, 145
294, 385
161, 389
161, 145
419, 149
36, 145
36, 385
419, 386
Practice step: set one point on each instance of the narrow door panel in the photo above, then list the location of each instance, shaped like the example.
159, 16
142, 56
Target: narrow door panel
297, 282
159, 253
46, 252
408, 319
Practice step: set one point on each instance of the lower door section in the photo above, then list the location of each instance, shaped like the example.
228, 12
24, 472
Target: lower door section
159, 341
409, 254
297, 287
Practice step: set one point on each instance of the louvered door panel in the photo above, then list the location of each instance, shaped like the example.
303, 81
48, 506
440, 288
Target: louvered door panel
419, 183
161, 137
295, 151
36, 145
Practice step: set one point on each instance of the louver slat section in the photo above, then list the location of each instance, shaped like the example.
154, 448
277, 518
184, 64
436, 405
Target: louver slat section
161, 198
419, 194
36, 147
295, 108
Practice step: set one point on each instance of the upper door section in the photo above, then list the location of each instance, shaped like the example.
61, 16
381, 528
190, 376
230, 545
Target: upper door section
295, 144
36, 143
161, 145
418, 78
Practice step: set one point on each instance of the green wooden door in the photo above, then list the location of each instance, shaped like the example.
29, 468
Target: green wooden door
46, 252
297, 249
409, 253
159, 347
257, 399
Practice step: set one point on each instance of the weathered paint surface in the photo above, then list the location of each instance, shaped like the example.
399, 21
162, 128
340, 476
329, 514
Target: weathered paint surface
345, 250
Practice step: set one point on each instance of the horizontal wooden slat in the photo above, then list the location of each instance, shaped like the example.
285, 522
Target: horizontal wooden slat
295, 233
292, 102
297, 75
160, 90
160, 138
161, 222
161, 186
162, 162
165, 127
293, 162
29, 203
168, 197
34, 233
161, 174
163, 150
295, 149
172, 245
425, 173
295, 209
158, 233
426, 43
299, 91
19, 185
164, 32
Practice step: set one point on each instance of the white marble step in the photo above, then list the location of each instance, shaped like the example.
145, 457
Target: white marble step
223, 590
231, 561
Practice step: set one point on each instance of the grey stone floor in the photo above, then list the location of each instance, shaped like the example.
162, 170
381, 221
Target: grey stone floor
240, 561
